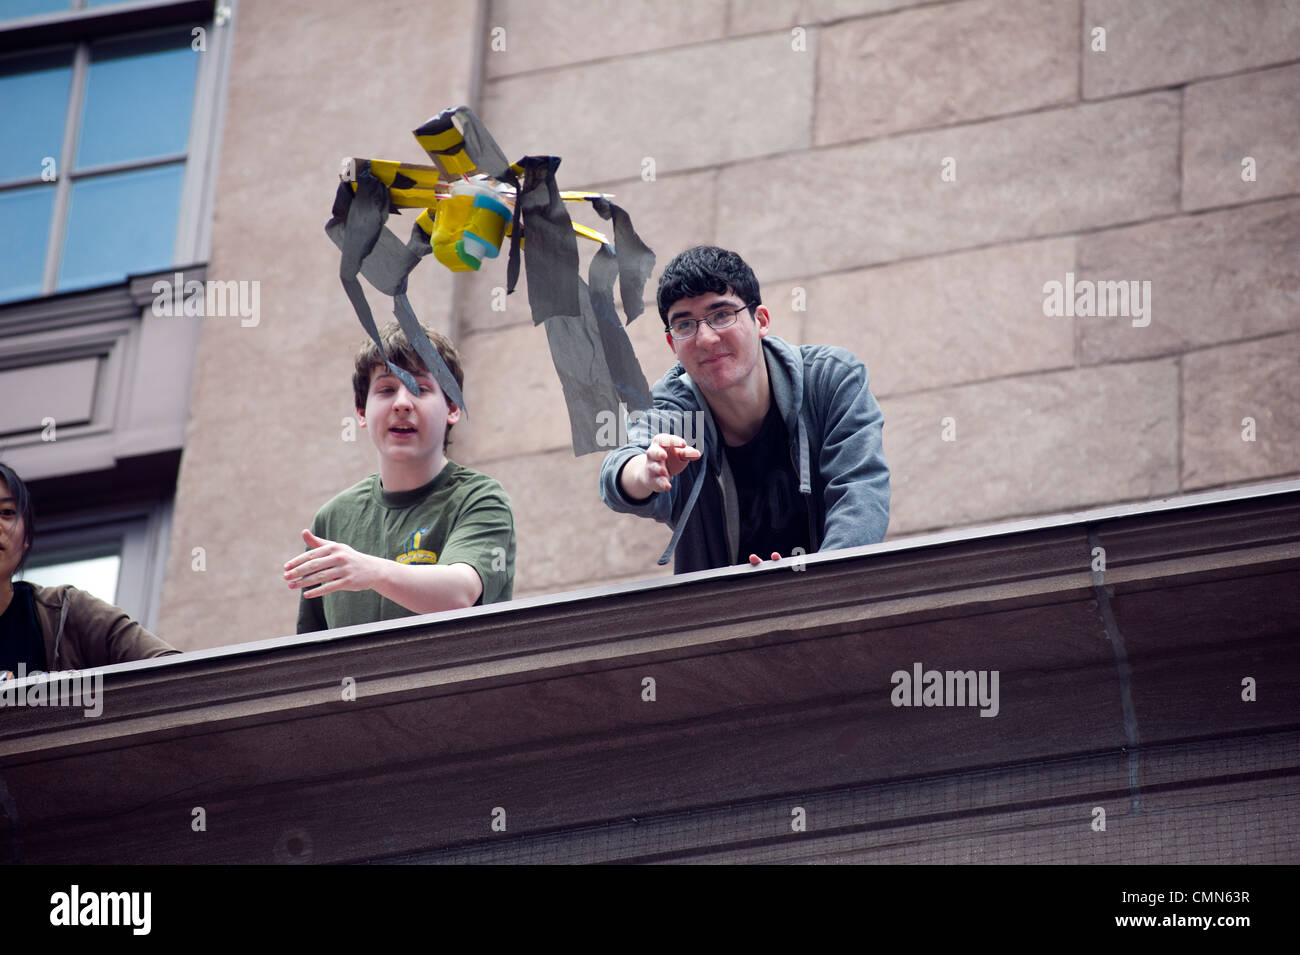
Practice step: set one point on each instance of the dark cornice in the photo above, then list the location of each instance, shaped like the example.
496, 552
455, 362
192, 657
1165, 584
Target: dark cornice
772, 690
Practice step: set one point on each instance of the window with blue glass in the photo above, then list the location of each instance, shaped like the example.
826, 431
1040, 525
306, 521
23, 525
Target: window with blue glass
29, 8
93, 155
16, 9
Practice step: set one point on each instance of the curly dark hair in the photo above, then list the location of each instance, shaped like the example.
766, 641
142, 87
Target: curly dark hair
705, 269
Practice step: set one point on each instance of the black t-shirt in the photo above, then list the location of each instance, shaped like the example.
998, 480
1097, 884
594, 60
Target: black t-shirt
20, 634
773, 514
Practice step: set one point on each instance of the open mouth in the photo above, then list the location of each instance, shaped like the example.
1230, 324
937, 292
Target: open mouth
402, 429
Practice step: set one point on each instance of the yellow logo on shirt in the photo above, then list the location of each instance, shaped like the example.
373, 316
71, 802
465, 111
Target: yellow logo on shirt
417, 557
414, 553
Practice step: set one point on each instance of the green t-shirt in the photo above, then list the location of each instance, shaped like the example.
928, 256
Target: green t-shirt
460, 517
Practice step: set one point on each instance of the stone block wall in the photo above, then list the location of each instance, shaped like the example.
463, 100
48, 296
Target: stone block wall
906, 178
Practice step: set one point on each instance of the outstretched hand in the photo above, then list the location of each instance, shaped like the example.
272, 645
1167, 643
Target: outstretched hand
666, 458
328, 566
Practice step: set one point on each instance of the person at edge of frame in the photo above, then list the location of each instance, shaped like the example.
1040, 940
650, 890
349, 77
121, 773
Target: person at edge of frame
48, 629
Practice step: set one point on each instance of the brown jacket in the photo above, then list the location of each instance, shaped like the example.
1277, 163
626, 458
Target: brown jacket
80, 631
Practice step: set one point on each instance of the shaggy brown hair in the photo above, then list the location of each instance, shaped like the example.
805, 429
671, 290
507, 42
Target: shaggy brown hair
402, 354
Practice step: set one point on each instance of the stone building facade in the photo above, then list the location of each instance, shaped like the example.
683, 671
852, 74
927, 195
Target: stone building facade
907, 179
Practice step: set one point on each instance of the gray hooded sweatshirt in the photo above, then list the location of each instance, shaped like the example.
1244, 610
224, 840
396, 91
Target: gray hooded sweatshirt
834, 424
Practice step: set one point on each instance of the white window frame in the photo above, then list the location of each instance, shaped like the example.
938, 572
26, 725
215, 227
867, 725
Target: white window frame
83, 27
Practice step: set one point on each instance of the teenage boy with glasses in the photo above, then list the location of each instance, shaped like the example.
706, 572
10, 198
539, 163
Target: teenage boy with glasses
789, 461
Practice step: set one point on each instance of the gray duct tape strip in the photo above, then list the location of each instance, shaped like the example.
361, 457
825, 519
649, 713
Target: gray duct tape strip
625, 371
371, 249
589, 346
635, 259
551, 261
591, 352
481, 148
428, 354
419, 243
579, 359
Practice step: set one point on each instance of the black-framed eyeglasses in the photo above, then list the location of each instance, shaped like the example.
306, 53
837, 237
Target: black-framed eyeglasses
687, 327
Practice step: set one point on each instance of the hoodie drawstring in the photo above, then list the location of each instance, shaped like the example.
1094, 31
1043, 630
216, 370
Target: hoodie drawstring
686, 513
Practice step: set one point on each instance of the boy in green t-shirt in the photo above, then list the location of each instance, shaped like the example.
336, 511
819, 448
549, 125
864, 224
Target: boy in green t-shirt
424, 534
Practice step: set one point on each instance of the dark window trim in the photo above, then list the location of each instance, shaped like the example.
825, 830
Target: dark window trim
75, 26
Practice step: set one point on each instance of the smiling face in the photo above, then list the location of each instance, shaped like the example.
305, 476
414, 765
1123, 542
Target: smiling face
406, 429
13, 534
719, 360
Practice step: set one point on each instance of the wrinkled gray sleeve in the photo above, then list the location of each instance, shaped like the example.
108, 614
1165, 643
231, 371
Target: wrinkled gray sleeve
642, 426
852, 461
